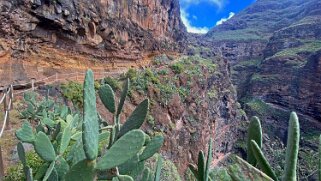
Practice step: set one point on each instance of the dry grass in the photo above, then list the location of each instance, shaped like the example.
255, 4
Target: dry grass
9, 141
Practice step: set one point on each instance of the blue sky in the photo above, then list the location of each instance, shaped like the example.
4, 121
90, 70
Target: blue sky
201, 15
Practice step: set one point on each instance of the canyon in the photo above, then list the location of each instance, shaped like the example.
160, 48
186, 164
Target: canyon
267, 59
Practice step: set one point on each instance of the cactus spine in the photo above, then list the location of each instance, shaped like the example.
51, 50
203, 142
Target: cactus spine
292, 148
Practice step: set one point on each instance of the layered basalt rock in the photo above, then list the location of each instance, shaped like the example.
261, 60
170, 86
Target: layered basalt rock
104, 31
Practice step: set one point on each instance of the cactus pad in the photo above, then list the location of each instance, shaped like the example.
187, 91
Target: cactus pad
25, 133
21, 153
90, 124
49, 171
82, 171
152, 147
62, 167
254, 133
292, 148
122, 150
262, 161
158, 168
136, 119
44, 148
146, 174
107, 96
123, 97
65, 139
243, 171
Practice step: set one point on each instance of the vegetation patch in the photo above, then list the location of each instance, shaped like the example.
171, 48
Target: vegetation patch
247, 64
307, 47
73, 91
255, 78
238, 35
113, 82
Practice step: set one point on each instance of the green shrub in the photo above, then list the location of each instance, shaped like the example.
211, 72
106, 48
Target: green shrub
150, 76
131, 74
15, 172
112, 82
177, 68
150, 119
97, 85
72, 91
162, 72
34, 161
162, 59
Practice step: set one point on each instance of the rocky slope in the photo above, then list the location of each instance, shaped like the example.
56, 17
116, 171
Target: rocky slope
189, 105
274, 50
71, 33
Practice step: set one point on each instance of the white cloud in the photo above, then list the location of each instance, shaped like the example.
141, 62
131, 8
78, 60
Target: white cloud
221, 21
190, 28
219, 3
185, 4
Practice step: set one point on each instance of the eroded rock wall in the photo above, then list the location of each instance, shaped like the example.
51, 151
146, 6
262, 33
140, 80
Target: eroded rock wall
111, 32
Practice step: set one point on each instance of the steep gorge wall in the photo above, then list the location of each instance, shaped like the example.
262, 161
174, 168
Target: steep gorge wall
274, 51
80, 32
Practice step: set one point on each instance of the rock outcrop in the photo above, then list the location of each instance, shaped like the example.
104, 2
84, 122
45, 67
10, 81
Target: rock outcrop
100, 31
274, 50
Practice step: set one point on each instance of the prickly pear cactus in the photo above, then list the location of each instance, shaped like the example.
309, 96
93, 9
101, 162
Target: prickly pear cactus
254, 133
90, 124
136, 119
83, 170
262, 161
122, 150
25, 133
107, 96
158, 168
70, 145
44, 148
123, 97
243, 171
292, 148
152, 147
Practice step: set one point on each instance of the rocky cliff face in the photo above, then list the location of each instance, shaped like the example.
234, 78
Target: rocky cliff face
274, 51
105, 32
270, 53
189, 107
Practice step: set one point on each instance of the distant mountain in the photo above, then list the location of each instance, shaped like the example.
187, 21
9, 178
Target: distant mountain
262, 19
274, 50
